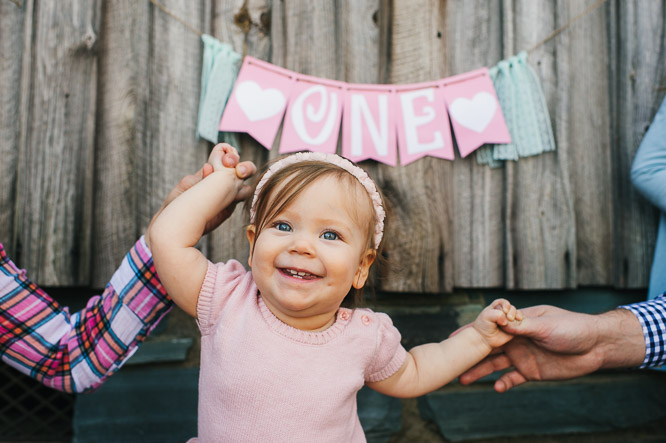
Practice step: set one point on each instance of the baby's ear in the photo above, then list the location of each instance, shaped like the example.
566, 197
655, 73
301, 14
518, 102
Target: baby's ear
251, 232
363, 270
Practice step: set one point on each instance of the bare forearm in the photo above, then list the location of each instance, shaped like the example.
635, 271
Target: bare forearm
440, 363
433, 365
182, 223
620, 342
177, 230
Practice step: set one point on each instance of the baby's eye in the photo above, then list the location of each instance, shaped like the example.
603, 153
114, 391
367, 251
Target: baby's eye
330, 235
282, 226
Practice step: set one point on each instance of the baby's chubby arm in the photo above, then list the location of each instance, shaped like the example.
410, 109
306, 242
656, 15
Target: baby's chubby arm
430, 366
177, 228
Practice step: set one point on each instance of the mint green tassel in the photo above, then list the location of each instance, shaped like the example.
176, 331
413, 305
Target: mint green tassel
218, 73
525, 112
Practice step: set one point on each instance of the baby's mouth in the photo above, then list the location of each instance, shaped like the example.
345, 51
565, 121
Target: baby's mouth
303, 275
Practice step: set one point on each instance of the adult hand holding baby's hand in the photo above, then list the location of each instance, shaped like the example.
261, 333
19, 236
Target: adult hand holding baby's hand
496, 315
224, 156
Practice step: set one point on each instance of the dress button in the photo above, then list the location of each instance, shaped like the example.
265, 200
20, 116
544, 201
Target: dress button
344, 315
365, 319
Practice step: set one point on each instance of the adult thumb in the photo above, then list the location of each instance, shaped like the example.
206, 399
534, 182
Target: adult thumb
530, 324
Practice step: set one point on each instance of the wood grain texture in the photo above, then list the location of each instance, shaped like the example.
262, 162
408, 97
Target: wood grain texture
248, 25
539, 211
54, 190
169, 148
477, 195
12, 35
122, 108
103, 126
420, 243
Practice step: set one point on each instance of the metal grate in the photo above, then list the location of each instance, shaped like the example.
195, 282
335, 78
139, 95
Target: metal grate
29, 411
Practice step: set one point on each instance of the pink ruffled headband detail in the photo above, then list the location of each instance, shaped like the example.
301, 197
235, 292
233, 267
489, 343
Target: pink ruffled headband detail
336, 160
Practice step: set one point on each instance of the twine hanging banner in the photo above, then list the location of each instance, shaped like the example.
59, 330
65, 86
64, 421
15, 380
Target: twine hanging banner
315, 110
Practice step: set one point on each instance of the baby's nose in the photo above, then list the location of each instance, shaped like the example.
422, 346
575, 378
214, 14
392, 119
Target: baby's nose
303, 244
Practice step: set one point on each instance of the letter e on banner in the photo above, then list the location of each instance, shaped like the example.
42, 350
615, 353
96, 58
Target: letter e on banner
368, 128
424, 126
475, 113
258, 101
313, 117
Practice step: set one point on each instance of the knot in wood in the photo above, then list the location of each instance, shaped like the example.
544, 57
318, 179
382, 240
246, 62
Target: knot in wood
243, 20
89, 39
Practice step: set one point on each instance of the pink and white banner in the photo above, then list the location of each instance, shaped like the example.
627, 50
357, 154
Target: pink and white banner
313, 118
475, 113
378, 121
258, 101
368, 129
423, 129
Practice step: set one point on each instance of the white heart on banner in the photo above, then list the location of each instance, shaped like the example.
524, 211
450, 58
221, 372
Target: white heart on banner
474, 114
259, 104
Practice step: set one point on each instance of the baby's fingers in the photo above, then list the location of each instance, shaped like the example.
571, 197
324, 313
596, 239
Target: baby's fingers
508, 309
231, 158
223, 155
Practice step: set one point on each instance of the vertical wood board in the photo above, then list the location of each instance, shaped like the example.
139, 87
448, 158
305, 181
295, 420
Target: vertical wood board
54, 198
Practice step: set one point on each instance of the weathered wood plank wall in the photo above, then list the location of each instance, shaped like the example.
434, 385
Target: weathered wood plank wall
99, 107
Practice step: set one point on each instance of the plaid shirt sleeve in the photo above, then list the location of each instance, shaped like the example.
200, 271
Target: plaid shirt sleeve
652, 316
77, 352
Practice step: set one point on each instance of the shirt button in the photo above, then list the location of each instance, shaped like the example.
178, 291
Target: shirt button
365, 319
344, 315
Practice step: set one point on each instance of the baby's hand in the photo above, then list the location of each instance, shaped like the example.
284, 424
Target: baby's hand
224, 157
498, 313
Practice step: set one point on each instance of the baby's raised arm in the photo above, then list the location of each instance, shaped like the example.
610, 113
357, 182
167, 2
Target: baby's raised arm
430, 366
177, 229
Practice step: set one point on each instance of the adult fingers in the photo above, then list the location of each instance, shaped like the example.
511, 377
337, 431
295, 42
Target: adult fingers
509, 380
526, 326
183, 185
230, 158
487, 366
245, 169
223, 155
244, 193
206, 170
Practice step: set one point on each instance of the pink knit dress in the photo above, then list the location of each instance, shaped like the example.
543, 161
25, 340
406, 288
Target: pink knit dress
263, 380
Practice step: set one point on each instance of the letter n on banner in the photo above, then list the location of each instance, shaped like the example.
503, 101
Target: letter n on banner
313, 117
475, 113
258, 100
368, 128
424, 128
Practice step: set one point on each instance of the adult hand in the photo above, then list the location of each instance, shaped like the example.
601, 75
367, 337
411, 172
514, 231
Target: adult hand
224, 155
556, 344
230, 159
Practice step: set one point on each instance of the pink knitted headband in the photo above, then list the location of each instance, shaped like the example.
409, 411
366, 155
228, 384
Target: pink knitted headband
336, 160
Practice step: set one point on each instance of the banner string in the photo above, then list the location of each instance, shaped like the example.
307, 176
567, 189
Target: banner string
542, 42
175, 17
566, 25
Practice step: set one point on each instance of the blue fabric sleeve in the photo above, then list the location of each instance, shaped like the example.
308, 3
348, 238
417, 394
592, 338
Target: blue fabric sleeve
648, 174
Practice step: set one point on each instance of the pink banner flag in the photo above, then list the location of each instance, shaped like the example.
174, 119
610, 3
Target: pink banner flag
313, 117
475, 113
258, 100
423, 124
368, 128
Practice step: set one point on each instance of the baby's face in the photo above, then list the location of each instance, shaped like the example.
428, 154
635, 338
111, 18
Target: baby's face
306, 259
